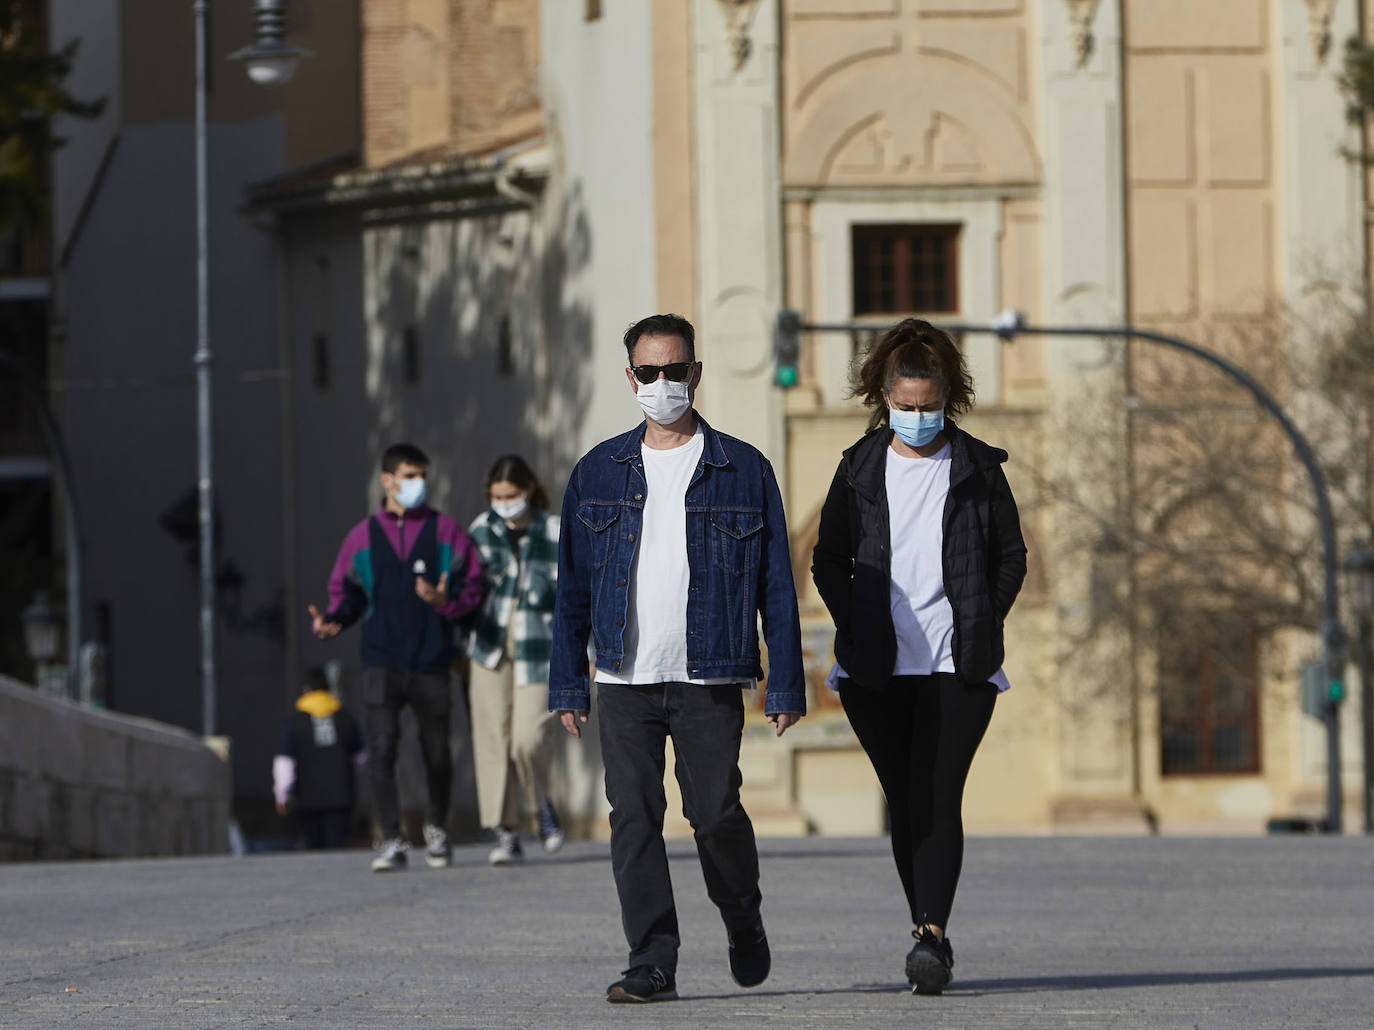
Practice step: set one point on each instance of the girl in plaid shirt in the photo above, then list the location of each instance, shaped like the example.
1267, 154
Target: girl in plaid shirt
509, 651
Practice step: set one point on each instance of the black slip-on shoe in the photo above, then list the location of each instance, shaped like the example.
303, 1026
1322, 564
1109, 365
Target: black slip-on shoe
643, 983
929, 964
750, 959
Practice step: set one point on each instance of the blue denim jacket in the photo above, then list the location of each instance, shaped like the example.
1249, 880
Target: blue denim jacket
738, 560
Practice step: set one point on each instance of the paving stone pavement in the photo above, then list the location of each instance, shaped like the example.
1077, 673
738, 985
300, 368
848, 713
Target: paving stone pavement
1048, 932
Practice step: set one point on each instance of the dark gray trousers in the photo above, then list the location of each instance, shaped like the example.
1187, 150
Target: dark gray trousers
430, 695
705, 724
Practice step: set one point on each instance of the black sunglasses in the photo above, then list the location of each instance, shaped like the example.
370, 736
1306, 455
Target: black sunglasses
677, 371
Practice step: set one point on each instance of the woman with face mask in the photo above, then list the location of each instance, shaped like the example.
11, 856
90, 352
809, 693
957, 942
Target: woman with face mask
509, 651
919, 558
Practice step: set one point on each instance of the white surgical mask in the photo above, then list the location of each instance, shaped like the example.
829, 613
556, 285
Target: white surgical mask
511, 509
410, 493
663, 400
916, 428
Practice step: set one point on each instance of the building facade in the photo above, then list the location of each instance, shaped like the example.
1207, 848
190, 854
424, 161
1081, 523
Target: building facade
446, 221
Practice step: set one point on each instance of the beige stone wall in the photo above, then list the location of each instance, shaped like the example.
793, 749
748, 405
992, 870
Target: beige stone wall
1200, 145
674, 153
1202, 217
885, 92
448, 76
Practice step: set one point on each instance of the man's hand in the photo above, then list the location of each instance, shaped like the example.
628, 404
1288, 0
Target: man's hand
435, 595
569, 720
282, 808
782, 720
320, 627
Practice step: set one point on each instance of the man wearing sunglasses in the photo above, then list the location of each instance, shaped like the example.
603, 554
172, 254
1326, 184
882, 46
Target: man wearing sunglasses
674, 543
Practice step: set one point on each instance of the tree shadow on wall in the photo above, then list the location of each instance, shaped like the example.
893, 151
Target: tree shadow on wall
479, 344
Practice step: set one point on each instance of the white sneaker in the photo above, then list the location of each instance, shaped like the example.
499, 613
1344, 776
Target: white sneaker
438, 854
550, 829
507, 850
391, 856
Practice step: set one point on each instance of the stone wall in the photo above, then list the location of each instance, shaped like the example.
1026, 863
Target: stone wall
76, 782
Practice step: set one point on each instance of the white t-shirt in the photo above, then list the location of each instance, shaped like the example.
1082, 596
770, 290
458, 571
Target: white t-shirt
921, 613
656, 614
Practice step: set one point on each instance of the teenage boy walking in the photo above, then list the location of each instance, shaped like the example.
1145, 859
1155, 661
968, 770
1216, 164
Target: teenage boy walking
408, 571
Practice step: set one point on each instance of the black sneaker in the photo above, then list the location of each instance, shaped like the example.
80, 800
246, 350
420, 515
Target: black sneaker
750, 959
929, 963
643, 983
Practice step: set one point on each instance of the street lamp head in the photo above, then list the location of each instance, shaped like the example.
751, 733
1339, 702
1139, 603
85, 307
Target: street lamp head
42, 629
270, 61
1359, 572
270, 64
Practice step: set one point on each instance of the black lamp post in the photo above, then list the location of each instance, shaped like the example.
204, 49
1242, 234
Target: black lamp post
270, 61
1359, 572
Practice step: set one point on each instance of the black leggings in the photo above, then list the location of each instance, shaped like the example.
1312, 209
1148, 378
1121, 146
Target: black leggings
920, 734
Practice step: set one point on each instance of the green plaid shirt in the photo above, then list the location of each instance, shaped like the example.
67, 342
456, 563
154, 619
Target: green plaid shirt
517, 594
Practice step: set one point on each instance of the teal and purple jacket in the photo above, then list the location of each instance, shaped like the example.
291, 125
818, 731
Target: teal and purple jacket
374, 579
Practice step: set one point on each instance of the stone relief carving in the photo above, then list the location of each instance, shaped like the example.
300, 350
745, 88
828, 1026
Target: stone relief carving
1081, 14
1319, 14
739, 15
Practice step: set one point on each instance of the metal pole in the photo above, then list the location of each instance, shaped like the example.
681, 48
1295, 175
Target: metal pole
71, 514
1367, 718
1333, 636
205, 475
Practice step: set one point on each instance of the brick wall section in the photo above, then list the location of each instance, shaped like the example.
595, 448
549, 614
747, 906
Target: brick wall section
485, 55
80, 783
385, 106
494, 72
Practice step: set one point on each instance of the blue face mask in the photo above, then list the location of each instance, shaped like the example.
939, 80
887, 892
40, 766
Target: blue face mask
916, 428
410, 493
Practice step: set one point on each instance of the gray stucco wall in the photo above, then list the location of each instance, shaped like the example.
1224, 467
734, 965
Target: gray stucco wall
76, 782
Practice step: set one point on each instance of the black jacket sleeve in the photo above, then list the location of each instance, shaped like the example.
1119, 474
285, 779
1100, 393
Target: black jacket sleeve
1007, 553
832, 559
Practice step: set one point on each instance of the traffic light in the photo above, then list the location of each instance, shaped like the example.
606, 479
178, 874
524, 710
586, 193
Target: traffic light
786, 348
1333, 646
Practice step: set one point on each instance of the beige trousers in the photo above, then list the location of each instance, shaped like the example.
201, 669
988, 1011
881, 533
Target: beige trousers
512, 744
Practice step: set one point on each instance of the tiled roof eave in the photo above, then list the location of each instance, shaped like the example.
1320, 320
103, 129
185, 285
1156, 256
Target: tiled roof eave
405, 185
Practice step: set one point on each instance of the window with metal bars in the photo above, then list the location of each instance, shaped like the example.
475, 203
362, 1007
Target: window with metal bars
908, 269
1208, 695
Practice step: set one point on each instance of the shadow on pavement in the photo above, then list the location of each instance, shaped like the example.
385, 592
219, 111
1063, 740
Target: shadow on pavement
1089, 982
771, 855
1108, 981
887, 988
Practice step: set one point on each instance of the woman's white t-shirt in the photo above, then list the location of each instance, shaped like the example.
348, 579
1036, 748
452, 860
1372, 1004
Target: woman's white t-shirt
922, 616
